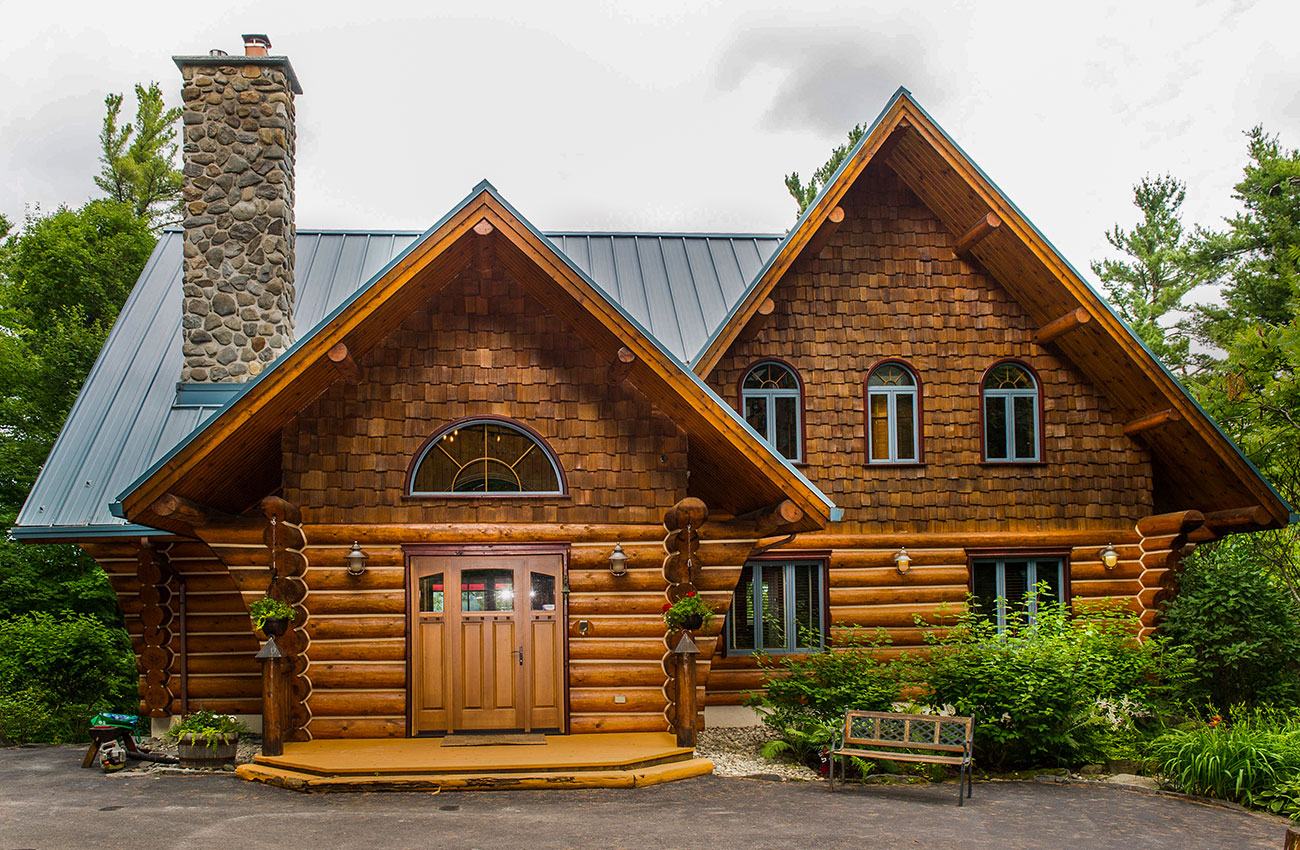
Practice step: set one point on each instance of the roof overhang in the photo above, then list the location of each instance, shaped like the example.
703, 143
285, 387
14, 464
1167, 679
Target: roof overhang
1199, 466
234, 458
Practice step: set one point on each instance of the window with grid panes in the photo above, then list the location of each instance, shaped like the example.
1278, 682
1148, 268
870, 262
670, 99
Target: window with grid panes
1011, 414
778, 607
771, 403
1001, 587
892, 415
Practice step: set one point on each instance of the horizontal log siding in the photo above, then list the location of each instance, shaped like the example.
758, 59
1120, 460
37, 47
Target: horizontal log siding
868, 594
223, 675
889, 286
356, 658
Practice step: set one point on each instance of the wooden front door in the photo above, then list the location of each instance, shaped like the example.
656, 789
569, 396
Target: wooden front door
486, 646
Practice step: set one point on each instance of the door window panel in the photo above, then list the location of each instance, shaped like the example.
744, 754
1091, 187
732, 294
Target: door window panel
541, 592
431, 594
487, 590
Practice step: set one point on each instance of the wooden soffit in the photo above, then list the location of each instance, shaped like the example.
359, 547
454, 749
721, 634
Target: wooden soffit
1196, 466
235, 458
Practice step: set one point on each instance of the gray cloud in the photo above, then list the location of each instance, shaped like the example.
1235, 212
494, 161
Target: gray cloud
829, 78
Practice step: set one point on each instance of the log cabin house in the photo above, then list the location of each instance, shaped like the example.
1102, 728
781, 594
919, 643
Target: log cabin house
908, 398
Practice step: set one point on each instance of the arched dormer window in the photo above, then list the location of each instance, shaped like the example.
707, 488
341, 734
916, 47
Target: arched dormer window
485, 457
771, 399
893, 415
1012, 414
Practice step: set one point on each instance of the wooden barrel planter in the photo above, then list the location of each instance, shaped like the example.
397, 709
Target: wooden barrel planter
196, 754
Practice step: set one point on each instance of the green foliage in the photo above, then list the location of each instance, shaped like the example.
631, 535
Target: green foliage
807, 695
53, 578
1155, 275
267, 608
691, 604
56, 671
1247, 760
805, 195
1282, 799
1055, 691
1238, 623
63, 280
207, 727
139, 160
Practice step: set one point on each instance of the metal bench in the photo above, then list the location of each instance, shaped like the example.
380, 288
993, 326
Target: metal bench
887, 735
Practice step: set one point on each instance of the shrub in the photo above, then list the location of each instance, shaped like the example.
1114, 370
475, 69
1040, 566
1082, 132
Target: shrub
807, 695
58, 670
1239, 624
1253, 759
1055, 691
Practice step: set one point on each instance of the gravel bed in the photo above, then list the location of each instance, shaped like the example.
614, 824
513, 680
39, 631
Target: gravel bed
249, 746
735, 752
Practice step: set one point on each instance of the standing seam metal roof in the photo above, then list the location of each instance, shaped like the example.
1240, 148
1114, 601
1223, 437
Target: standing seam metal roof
127, 416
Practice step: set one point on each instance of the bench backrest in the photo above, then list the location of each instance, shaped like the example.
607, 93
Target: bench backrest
908, 731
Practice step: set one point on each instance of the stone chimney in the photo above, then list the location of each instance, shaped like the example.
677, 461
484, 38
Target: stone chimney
238, 195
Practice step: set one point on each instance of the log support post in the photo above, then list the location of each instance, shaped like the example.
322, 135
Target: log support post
687, 701
1292, 840
622, 362
1063, 325
341, 359
275, 697
1153, 420
977, 233
823, 235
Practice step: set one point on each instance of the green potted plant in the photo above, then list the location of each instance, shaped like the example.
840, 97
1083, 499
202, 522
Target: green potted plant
271, 616
690, 612
207, 740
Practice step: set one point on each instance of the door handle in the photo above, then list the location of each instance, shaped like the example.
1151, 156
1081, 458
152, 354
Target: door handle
520, 653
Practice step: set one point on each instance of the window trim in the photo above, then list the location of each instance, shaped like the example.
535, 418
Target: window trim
1040, 431
918, 415
801, 424
1060, 554
788, 559
409, 493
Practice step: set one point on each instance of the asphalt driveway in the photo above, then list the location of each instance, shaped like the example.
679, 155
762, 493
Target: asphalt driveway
48, 801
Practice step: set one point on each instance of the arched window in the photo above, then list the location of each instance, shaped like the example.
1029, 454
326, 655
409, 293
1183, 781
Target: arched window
893, 415
772, 402
485, 457
1011, 414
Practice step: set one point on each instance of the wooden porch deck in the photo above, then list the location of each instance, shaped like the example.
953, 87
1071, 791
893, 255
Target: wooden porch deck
612, 760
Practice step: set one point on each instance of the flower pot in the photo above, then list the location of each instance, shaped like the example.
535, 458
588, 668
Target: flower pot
693, 622
195, 753
275, 626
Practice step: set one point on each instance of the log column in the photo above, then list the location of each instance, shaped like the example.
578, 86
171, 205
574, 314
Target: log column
153, 572
1165, 542
287, 543
681, 571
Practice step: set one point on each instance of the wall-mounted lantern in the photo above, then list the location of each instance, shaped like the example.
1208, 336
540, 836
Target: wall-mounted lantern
902, 560
356, 560
1109, 557
618, 561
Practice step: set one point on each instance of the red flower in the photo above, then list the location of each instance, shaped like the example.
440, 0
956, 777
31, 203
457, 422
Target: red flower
690, 593
667, 606
1215, 721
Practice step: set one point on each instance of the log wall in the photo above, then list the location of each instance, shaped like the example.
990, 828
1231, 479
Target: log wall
222, 674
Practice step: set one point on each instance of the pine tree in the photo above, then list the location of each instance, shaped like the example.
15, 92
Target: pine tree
139, 160
805, 195
1154, 276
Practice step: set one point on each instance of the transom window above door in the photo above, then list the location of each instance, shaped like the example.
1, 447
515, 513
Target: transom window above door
771, 400
1011, 415
893, 415
485, 457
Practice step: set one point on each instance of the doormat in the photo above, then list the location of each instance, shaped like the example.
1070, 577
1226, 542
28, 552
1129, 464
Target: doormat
492, 740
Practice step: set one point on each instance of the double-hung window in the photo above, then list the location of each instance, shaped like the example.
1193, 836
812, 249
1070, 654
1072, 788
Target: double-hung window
1011, 415
778, 608
893, 416
772, 404
1002, 587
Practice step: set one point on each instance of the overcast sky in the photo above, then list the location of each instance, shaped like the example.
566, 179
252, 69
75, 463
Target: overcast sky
674, 115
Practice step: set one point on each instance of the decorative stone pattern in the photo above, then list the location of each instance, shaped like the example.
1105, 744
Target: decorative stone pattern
239, 228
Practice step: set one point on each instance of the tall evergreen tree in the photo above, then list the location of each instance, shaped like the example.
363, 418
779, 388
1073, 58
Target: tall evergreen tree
139, 161
1154, 276
805, 195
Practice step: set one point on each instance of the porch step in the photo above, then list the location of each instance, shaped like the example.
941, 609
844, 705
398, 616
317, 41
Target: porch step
506, 780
